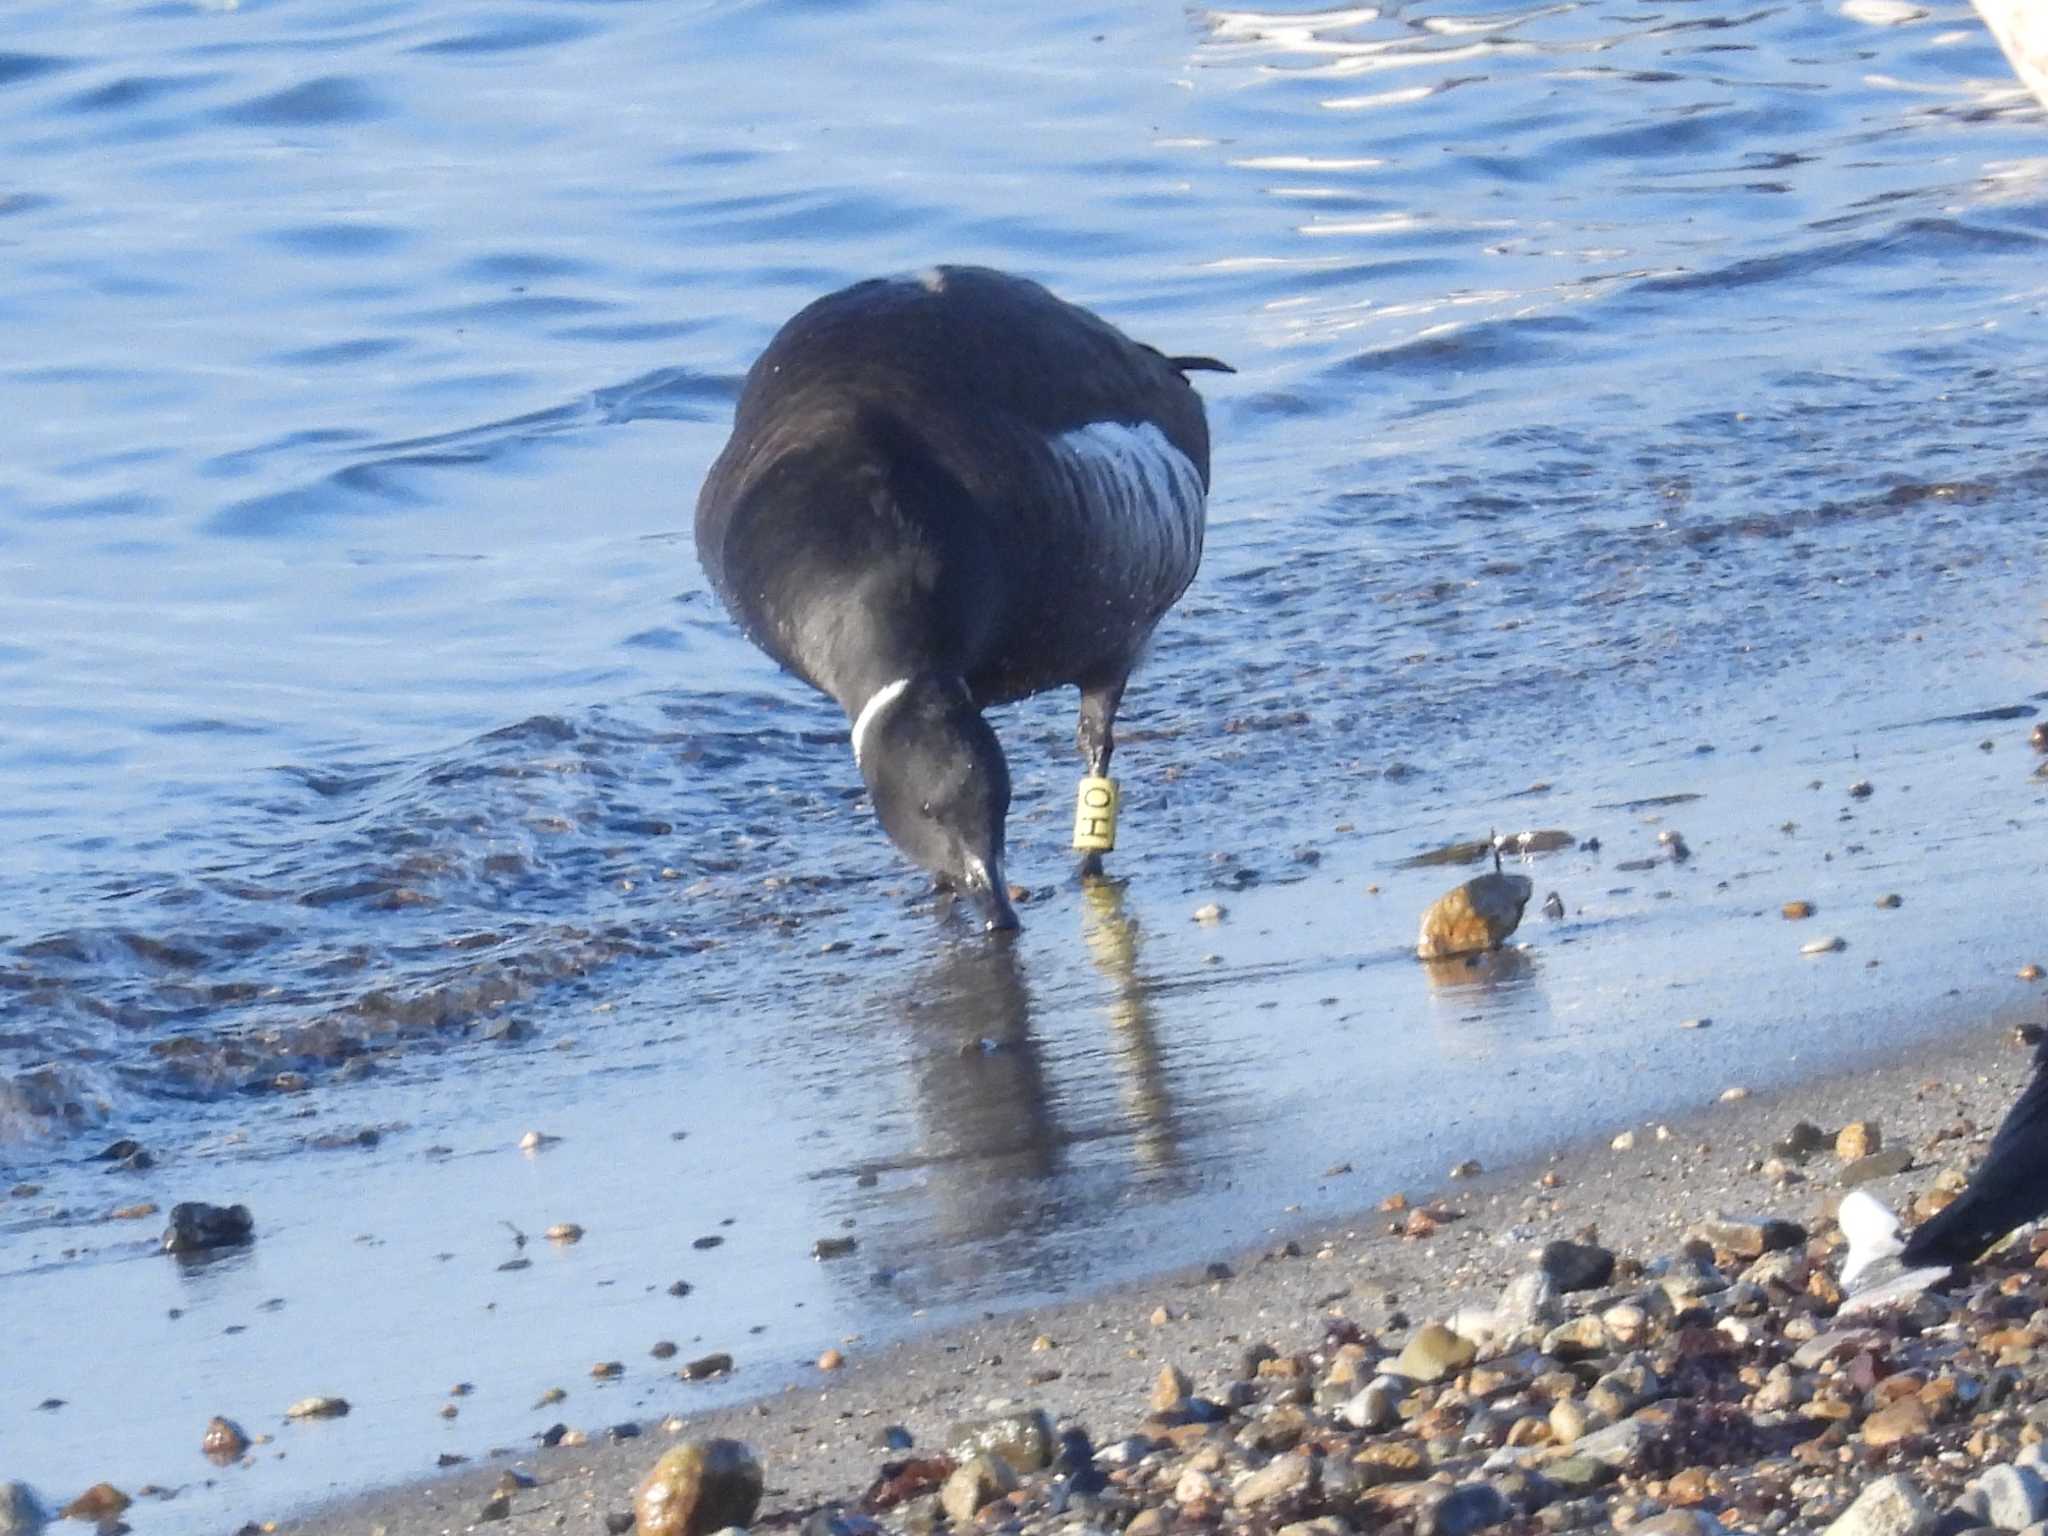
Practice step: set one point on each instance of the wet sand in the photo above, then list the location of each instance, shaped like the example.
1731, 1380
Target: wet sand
1092, 1362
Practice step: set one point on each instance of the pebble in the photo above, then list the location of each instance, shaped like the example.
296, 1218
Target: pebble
1903, 1420
533, 1141
1859, 1138
1860, 790
1891, 1506
704, 1367
1434, 1353
1467, 1508
102, 1503
831, 1360
318, 1408
564, 1232
1576, 1266
2030, 972
1211, 912
978, 1481
21, 1512
1827, 946
1024, 1440
223, 1441
1797, 910
698, 1487
2014, 1496
1891, 900
1878, 1165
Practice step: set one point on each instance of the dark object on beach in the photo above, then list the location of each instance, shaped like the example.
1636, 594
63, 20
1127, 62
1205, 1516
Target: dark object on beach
704, 1367
2039, 736
697, 1487
947, 491
224, 1442
197, 1227
833, 1247
2010, 1186
1474, 917
1576, 1266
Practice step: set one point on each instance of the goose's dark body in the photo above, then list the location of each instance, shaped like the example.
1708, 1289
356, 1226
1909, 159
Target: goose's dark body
896, 453
2009, 1188
948, 491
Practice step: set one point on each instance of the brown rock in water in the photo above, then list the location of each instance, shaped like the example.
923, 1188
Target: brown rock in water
698, 1487
223, 1442
1795, 910
1475, 917
100, 1502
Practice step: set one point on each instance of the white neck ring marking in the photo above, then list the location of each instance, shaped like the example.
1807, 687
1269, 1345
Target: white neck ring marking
878, 701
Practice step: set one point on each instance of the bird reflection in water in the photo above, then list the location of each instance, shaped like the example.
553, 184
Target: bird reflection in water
1013, 1163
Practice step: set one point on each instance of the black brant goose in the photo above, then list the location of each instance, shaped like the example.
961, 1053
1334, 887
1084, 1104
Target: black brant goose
2009, 1188
947, 491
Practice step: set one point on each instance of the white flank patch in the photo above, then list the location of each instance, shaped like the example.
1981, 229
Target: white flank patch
878, 701
1873, 1234
1134, 473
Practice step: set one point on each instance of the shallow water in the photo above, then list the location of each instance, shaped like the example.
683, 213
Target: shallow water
1614, 383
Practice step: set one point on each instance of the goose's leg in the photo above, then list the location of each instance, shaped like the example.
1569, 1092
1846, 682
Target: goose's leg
1095, 817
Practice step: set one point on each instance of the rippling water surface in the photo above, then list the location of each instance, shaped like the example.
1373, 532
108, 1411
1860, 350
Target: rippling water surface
1615, 382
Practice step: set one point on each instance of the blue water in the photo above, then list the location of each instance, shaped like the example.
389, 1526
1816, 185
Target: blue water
1614, 381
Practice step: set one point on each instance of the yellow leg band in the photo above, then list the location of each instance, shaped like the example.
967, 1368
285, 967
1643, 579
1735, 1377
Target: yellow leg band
1095, 815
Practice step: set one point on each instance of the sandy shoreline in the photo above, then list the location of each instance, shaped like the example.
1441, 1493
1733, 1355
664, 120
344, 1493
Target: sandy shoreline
1092, 1362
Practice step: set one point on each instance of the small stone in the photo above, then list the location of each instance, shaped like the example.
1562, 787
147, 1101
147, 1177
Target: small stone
1528, 1301
1905, 1419
1802, 1141
1625, 1141
101, 1503
977, 1481
831, 1360
608, 1370
1576, 1266
1170, 1391
1619, 1445
1797, 911
1748, 1237
704, 1367
564, 1232
697, 1487
1475, 917
1734, 1095
1890, 901
223, 1441
1891, 1506
1467, 1508
1377, 1407
1210, 913
1285, 1479
2030, 972
1023, 1439
1860, 790
135, 1212
1576, 1339
826, 1248
1878, 1165
2014, 1496
1568, 1420
318, 1408
21, 1512
1468, 1169
197, 1227
1827, 946
533, 1141
1859, 1138
1434, 1353
497, 1507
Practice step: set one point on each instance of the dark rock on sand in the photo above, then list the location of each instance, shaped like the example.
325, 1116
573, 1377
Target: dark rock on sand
1577, 1266
698, 1487
196, 1227
704, 1367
